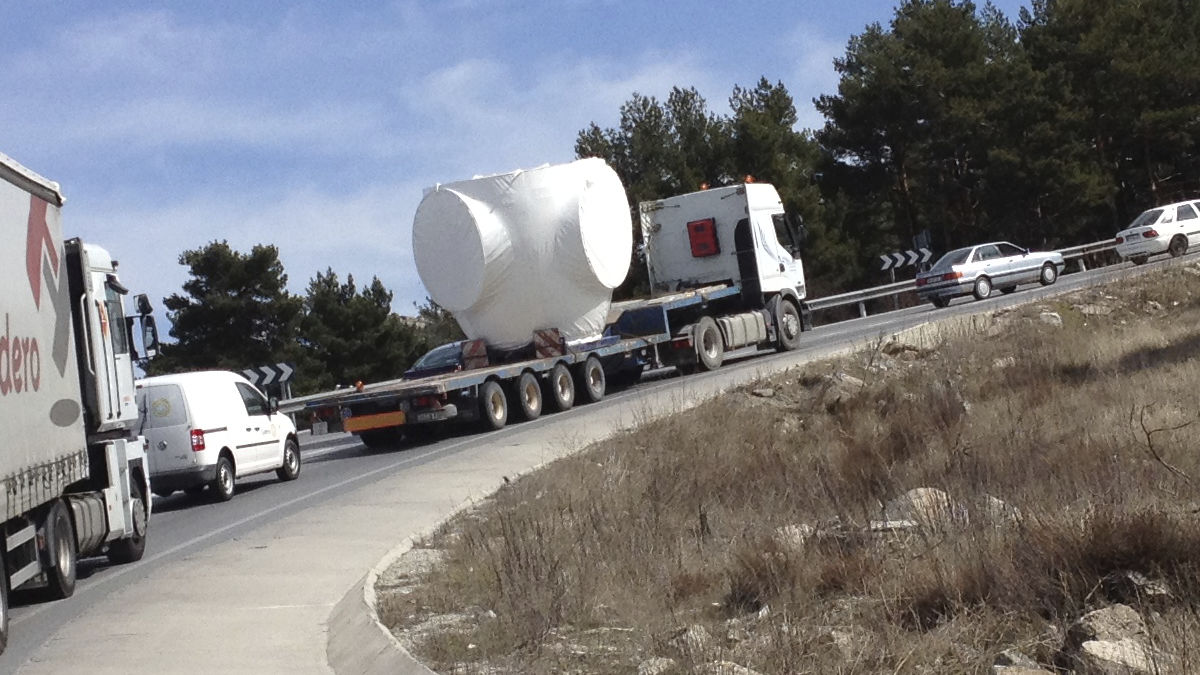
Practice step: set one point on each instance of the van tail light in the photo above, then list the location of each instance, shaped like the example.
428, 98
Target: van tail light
197, 440
1150, 234
951, 276
1120, 240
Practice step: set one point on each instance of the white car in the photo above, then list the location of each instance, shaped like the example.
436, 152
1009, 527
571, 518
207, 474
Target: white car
208, 429
1173, 229
976, 270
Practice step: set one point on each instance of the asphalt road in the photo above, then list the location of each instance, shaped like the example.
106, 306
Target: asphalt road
184, 530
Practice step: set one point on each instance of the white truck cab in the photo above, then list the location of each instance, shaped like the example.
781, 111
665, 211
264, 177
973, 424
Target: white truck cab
207, 429
737, 234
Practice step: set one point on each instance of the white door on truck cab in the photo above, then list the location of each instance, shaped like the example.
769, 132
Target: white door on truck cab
108, 341
259, 445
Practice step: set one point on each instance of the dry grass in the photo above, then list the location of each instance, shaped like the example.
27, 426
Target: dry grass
604, 559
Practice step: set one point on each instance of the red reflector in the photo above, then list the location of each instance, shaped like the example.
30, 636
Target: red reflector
1150, 234
922, 282
1120, 239
197, 440
702, 235
951, 276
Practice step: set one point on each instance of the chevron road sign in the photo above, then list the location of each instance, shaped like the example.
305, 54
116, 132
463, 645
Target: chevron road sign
902, 258
265, 376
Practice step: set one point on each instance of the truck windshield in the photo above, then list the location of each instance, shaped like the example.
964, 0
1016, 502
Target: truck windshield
116, 320
787, 233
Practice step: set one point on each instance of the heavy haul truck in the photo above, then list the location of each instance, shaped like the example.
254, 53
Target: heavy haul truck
724, 269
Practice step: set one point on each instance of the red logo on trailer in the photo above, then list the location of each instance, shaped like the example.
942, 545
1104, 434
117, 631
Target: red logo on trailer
39, 240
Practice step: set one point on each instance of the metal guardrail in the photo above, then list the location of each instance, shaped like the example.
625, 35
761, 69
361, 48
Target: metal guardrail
860, 298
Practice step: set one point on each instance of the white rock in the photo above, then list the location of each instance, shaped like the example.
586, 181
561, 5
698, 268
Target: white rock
1115, 622
725, 668
656, 666
1052, 319
1117, 657
928, 506
793, 537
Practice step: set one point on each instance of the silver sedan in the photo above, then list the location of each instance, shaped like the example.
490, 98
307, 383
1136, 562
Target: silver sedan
976, 270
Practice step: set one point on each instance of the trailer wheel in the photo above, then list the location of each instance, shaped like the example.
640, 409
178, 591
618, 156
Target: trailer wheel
590, 377
3, 604
710, 346
787, 325
560, 388
528, 393
130, 550
61, 577
493, 406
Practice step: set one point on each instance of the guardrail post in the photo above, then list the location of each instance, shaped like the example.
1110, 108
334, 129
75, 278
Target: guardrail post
1082, 264
862, 310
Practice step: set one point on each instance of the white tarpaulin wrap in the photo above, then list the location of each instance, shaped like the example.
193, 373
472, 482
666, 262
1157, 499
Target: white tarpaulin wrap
516, 252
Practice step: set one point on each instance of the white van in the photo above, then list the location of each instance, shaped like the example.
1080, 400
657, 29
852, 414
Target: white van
207, 429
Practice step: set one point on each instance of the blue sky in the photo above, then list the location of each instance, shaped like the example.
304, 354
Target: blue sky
315, 126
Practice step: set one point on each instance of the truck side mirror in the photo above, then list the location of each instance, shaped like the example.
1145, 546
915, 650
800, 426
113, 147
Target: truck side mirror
149, 335
143, 304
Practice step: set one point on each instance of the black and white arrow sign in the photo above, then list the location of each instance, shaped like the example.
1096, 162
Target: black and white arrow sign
263, 376
902, 258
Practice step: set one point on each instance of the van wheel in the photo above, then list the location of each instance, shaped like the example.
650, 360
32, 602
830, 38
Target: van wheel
222, 484
710, 346
1178, 246
61, 581
528, 393
291, 461
560, 388
590, 379
131, 549
787, 326
493, 406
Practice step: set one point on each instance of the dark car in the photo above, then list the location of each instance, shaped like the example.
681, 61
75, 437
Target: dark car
447, 358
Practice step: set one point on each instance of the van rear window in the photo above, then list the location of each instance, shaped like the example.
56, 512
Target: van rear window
161, 405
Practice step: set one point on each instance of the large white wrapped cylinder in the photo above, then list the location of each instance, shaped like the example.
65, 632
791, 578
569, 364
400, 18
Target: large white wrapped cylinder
512, 253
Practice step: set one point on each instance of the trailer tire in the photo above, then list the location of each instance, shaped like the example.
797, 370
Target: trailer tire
710, 345
528, 393
3, 604
60, 579
493, 406
560, 388
224, 481
787, 325
591, 379
130, 550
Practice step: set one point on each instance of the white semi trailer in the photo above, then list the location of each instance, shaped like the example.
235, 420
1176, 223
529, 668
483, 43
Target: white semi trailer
72, 465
